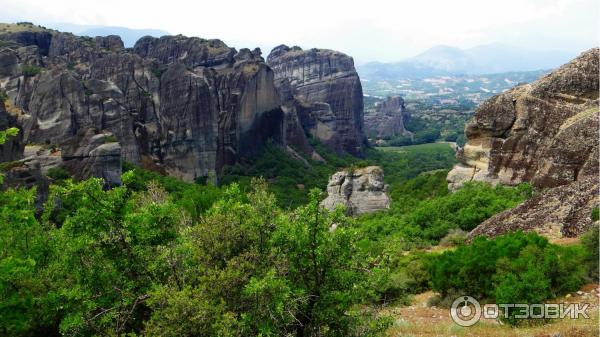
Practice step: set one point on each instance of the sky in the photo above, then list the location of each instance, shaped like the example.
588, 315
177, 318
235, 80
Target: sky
368, 30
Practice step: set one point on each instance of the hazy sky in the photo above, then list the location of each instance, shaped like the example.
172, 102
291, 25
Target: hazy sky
367, 30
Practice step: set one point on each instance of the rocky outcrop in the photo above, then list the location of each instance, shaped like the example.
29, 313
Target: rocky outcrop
191, 51
388, 119
359, 191
327, 94
544, 133
98, 156
563, 211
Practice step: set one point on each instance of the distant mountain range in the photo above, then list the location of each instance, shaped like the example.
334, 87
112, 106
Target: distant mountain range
485, 59
128, 35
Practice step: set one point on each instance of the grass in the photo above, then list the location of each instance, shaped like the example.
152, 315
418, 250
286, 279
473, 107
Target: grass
420, 320
20, 27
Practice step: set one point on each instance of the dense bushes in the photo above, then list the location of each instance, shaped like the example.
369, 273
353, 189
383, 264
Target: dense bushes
423, 210
514, 268
464, 209
194, 198
58, 173
133, 260
162, 257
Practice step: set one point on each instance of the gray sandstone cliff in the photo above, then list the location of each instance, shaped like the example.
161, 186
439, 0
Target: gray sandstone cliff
182, 106
544, 133
326, 93
178, 105
388, 119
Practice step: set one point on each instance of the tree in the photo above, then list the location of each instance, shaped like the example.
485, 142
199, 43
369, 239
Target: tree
22, 254
321, 267
102, 249
4, 135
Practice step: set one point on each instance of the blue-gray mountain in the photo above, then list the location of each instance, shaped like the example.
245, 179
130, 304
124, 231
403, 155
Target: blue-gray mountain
446, 60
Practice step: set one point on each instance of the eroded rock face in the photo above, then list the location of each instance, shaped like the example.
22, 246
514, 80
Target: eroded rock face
13, 148
97, 156
544, 133
360, 191
388, 119
327, 89
562, 211
182, 106
191, 51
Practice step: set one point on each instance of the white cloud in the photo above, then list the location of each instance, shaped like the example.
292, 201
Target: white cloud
367, 29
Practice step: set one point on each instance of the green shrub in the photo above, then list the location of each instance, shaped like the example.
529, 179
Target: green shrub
110, 139
58, 173
422, 209
513, 268
3, 96
30, 70
595, 216
589, 241
400, 277
454, 237
192, 197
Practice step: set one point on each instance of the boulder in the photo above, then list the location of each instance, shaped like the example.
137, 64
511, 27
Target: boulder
359, 191
97, 155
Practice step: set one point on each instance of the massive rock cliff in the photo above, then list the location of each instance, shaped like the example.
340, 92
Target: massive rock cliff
179, 105
183, 106
545, 133
360, 191
388, 119
327, 94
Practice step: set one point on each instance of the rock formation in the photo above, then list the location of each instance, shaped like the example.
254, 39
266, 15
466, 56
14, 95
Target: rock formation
562, 211
544, 133
360, 191
327, 94
164, 103
182, 106
388, 119
13, 148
